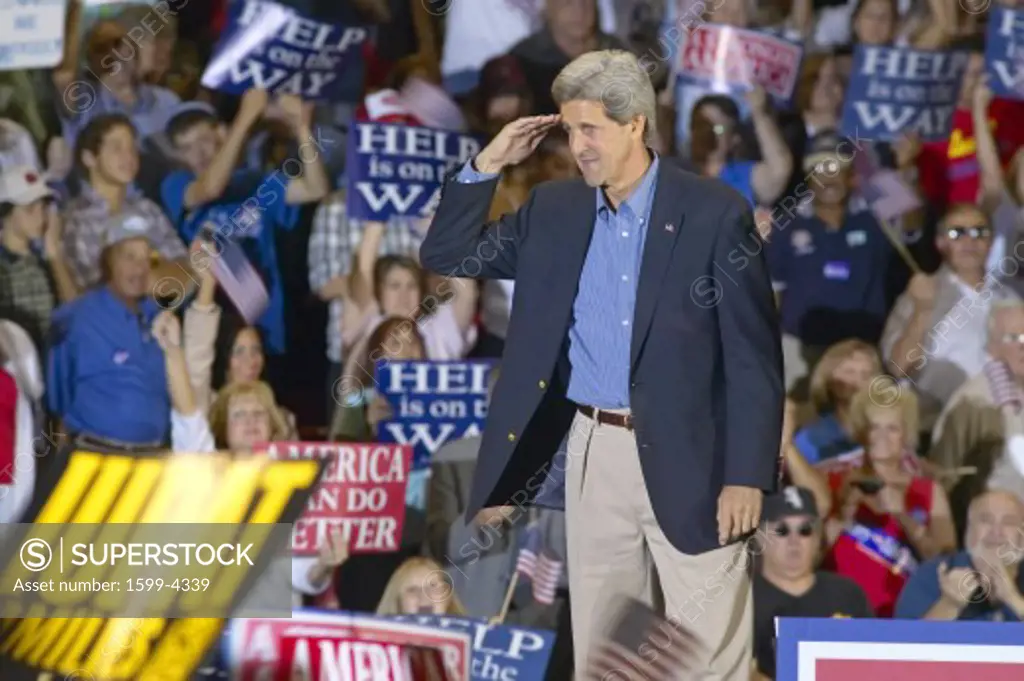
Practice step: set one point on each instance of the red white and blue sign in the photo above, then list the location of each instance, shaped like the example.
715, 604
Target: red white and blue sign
898, 650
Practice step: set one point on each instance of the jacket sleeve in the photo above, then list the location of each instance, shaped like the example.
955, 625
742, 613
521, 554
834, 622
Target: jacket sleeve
752, 350
462, 243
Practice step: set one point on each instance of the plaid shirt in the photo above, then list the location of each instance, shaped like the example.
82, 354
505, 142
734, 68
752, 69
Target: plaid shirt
86, 219
26, 293
335, 242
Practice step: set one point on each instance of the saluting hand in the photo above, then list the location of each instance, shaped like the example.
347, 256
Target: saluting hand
515, 142
739, 512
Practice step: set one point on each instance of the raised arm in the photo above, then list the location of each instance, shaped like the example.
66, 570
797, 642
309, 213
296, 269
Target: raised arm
772, 174
461, 242
210, 184
993, 182
65, 72
313, 184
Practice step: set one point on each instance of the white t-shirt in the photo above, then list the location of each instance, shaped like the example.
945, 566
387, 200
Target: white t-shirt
480, 30
497, 305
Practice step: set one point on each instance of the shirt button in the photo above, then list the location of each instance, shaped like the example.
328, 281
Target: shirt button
625, 278
625, 322
625, 234
542, 384
511, 437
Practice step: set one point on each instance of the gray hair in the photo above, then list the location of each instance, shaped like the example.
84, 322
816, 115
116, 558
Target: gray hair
614, 78
1011, 302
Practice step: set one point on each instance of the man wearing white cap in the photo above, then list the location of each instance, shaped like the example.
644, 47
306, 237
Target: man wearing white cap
33, 274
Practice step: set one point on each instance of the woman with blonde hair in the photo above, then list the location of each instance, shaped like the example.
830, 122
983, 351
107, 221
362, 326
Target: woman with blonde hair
889, 517
419, 586
845, 368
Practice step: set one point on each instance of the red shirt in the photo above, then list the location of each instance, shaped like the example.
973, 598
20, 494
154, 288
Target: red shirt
948, 170
876, 552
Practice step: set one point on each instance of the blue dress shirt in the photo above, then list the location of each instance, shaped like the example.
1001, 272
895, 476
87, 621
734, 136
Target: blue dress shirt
106, 374
602, 314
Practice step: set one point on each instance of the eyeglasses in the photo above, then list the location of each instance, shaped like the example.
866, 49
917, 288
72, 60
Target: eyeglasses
804, 530
1016, 338
976, 232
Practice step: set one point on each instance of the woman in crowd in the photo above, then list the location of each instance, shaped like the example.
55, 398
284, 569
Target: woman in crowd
819, 95
394, 286
844, 369
418, 587
222, 349
243, 416
360, 408
887, 520
714, 141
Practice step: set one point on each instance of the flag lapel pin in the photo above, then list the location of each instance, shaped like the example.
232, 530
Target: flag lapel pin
669, 227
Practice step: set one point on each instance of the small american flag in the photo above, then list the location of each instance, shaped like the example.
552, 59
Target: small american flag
240, 281
883, 189
636, 627
543, 571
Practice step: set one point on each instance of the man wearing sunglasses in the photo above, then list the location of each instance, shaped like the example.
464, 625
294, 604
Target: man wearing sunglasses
787, 583
936, 332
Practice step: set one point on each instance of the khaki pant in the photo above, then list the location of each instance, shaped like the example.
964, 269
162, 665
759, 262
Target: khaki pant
616, 548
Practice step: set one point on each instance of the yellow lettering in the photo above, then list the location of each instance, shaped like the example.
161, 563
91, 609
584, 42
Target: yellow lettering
137, 492
961, 146
237, 490
72, 486
171, 501
46, 636
67, 654
23, 628
181, 650
122, 647
104, 490
280, 482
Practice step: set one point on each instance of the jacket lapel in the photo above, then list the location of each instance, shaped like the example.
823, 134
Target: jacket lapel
663, 228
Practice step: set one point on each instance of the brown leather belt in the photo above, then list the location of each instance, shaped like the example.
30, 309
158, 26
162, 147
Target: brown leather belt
607, 417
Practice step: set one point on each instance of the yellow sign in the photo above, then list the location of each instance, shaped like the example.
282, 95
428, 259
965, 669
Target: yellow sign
163, 488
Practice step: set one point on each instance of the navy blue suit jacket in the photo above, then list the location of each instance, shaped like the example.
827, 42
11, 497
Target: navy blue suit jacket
706, 386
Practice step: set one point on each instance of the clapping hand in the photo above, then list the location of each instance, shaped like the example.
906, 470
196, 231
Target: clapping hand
297, 113
254, 103
758, 99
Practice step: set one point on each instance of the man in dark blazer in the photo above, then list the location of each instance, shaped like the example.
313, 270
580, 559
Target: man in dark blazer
644, 345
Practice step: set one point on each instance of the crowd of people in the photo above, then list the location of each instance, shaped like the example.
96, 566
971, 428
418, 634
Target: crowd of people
903, 340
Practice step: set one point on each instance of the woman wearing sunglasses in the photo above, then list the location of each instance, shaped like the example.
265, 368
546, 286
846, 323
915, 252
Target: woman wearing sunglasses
887, 518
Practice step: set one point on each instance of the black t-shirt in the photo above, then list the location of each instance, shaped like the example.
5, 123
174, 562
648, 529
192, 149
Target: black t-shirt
831, 596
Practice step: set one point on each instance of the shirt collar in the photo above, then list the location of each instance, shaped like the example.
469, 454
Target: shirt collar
147, 306
1002, 385
95, 201
640, 199
145, 101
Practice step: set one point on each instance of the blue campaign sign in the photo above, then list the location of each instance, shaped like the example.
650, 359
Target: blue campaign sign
895, 91
433, 403
1004, 52
399, 169
500, 651
909, 650
271, 46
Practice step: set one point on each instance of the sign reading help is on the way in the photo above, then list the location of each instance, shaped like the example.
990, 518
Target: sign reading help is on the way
908, 650
896, 91
1004, 52
273, 47
399, 170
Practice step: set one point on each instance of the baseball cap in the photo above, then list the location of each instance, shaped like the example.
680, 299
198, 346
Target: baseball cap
828, 147
21, 185
127, 225
789, 502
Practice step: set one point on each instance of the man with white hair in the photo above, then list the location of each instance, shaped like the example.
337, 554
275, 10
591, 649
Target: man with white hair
983, 582
661, 383
983, 423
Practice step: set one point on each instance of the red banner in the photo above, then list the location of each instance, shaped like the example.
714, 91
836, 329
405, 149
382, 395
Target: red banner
362, 493
736, 60
318, 645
